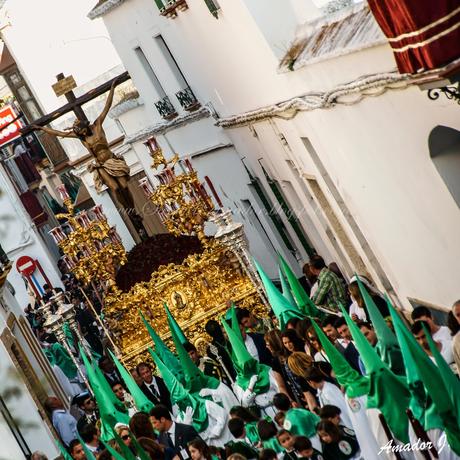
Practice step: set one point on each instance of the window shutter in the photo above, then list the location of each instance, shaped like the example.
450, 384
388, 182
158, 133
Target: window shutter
213, 7
160, 4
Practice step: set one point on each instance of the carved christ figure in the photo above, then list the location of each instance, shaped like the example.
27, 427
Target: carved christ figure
107, 168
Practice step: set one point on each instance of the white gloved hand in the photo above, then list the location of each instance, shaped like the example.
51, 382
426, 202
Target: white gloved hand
206, 392
187, 416
248, 398
252, 382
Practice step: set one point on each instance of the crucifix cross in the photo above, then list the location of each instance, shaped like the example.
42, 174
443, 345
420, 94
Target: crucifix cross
65, 86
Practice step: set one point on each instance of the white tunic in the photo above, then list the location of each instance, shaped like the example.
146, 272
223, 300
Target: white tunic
331, 394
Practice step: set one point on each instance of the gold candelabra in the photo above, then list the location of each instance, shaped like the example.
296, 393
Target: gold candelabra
92, 248
182, 201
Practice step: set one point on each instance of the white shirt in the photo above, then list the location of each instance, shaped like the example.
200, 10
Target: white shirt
251, 347
330, 394
153, 384
444, 337
172, 431
358, 311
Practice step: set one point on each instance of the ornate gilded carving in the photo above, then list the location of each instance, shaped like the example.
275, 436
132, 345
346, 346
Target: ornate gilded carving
204, 283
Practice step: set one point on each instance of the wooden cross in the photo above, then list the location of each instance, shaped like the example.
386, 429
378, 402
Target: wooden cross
64, 86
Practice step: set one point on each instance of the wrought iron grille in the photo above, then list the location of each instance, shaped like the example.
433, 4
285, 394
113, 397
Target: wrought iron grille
165, 108
187, 99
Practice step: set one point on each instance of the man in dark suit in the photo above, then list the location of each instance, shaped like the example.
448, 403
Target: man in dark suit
109, 370
153, 387
172, 434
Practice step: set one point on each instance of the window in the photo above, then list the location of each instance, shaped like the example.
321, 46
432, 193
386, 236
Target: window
185, 96
23, 95
172, 64
444, 145
150, 72
163, 105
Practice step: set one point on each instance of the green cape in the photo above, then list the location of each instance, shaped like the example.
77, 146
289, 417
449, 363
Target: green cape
181, 397
387, 392
354, 383
387, 345
57, 355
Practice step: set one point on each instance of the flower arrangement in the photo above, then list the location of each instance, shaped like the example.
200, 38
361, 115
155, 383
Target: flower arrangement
158, 250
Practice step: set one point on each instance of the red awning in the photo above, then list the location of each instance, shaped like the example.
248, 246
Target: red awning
424, 34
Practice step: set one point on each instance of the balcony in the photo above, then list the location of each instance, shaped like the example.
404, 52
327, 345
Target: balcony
187, 100
171, 7
166, 109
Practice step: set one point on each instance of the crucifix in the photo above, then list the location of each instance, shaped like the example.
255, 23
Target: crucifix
107, 169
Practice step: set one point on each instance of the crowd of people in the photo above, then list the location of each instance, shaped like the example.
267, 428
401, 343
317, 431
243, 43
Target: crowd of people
311, 380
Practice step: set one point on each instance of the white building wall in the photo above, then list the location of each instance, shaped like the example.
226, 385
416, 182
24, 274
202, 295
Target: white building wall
135, 24
374, 150
16, 397
20, 237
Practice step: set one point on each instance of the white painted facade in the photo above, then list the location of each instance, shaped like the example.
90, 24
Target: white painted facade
22, 429
350, 151
19, 237
136, 24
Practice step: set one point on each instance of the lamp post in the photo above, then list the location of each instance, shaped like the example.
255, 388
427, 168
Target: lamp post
55, 322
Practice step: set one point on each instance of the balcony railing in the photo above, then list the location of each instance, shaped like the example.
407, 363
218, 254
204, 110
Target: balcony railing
166, 109
187, 99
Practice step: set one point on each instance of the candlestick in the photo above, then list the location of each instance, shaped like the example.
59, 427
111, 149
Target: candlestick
213, 191
63, 192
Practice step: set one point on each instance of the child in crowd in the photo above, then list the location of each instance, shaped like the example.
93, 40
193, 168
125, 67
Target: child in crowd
331, 413
268, 454
337, 444
250, 422
267, 433
304, 449
299, 422
286, 441
279, 418
241, 445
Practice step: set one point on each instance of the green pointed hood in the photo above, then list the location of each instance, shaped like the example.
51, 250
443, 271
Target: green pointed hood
89, 455
245, 365
116, 455
65, 454
433, 384
174, 325
107, 389
194, 378
355, 384
181, 397
124, 449
57, 355
387, 345
285, 288
450, 380
165, 354
302, 298
414, 357
387, 392
283, 310
141, 453
140, 400
107, 410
